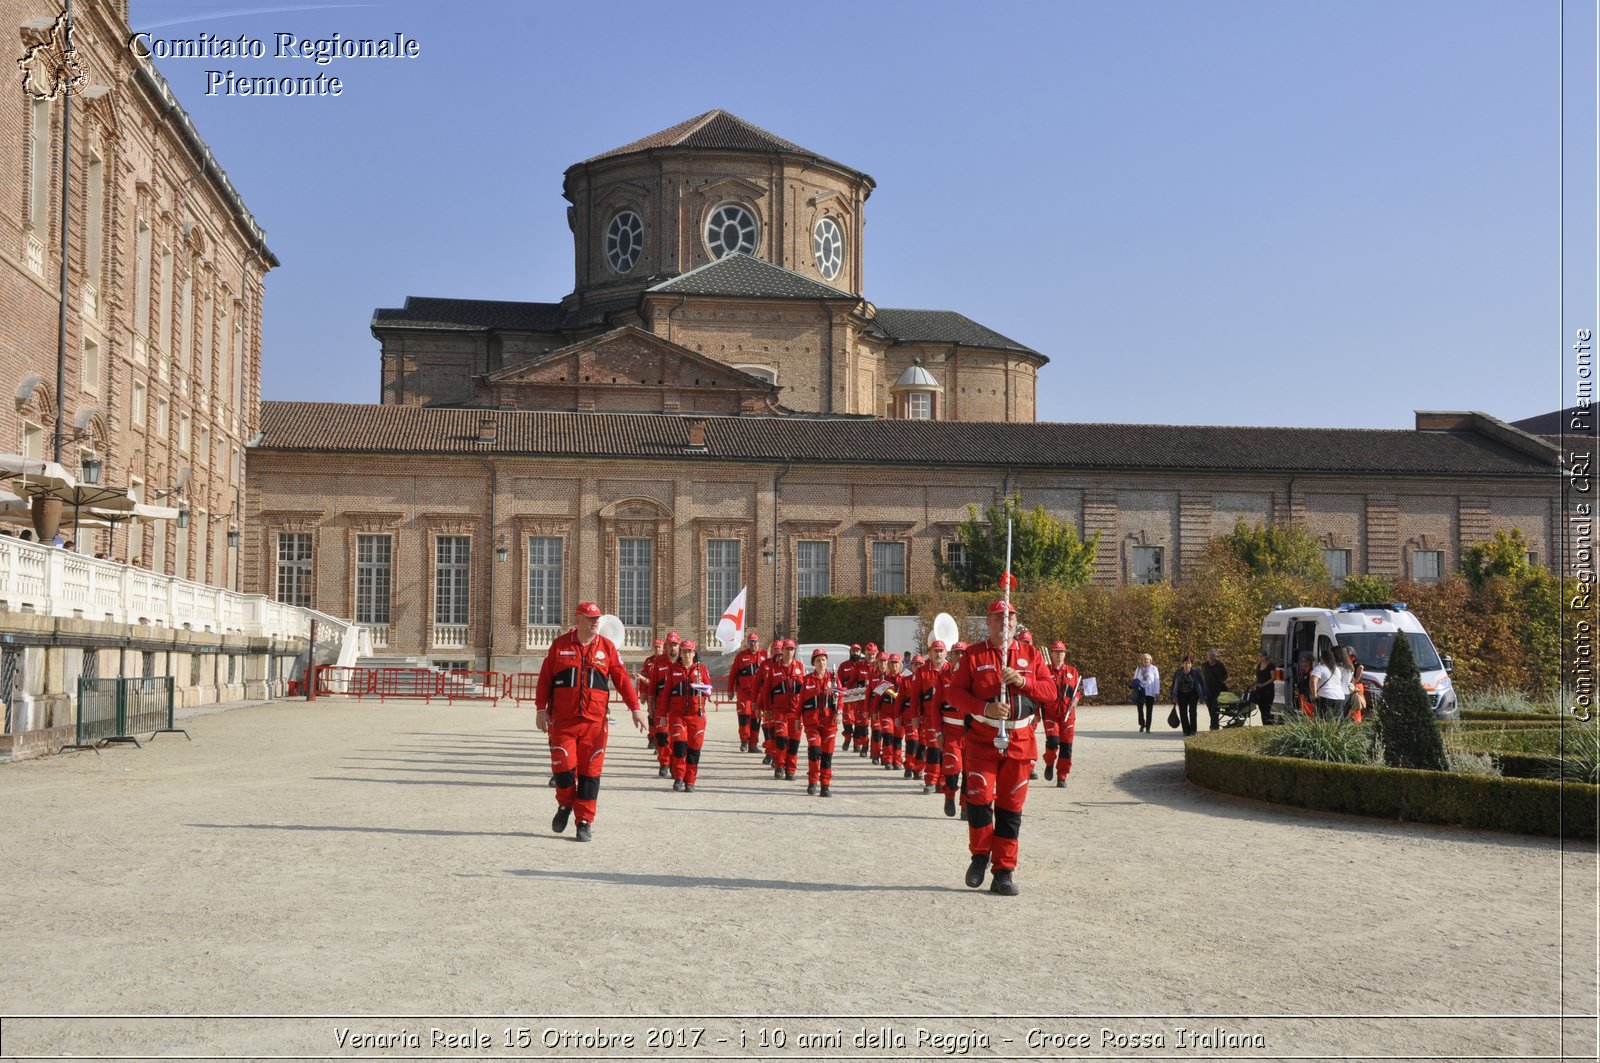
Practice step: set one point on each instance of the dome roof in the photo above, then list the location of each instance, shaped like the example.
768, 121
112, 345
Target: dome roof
916, 377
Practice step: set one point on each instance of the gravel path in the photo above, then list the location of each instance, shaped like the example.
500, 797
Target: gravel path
396, 860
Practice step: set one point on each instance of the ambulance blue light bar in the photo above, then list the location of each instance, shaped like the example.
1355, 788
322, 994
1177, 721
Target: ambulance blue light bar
1354, 607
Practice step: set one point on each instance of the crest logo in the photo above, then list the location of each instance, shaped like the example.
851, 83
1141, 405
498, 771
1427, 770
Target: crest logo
50, 66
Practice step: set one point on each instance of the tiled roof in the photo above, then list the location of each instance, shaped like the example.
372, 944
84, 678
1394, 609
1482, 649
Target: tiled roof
352, 428
426, 312
715, 130
941, 326
742, 274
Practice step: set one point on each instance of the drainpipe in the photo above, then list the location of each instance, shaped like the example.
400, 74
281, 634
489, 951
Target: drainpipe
494, 526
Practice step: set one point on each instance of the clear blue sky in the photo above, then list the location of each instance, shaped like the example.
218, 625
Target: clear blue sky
1260, 212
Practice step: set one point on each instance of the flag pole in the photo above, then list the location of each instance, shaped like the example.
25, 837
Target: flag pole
1001, 738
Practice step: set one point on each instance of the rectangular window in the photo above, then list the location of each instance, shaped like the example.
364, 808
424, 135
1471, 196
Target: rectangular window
32, 441
165, 309
452, 579
1533, 559
91, 366
635, 569
813, 562
294, 568
203, 370
544, 579
39, 165
238, 359
141, 281
163, 421
374, 576
888, 568
186, 326
1427, 565
202, 453
955, 555
1145, 562
224, 356
1338, 562
920, 406
183, 432
94, 207
722, 577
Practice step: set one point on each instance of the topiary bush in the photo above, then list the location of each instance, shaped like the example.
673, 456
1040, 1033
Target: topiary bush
1406, 727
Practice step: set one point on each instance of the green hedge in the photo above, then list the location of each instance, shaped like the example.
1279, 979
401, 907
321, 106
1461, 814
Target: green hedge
1229, 762
1540, 719
850, 618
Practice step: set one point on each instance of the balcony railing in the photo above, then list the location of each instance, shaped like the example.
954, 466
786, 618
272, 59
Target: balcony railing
379, 633
638, 638
540, 636
450, 636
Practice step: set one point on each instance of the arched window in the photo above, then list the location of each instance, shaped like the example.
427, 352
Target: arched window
729, 229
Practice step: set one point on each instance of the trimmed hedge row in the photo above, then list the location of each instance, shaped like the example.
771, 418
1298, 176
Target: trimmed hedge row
1229, 762
1533, 719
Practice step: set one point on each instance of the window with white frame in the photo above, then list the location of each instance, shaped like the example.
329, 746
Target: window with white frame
888, 568
136, 407
94, 208
955, 556
203, 451
184, 423
635, 572
722, 577
39, 165
544, 579
1145, 564
1427, 565
374, 578
238, 358
186, 326
32, 441
164, 310
813, 566
163, 418
452, 579
141, 280
294, 568
1338, 562
224, 355
919, 406
207, 331
91, 366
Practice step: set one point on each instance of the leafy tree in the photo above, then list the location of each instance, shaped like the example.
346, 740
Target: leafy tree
1406, 727
1504, 555
1277, 549
1370, 588
1045, 552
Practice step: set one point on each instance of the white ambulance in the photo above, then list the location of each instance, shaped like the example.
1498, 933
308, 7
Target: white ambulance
1369, 630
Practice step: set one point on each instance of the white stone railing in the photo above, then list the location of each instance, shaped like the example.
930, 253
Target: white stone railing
638, 638
379, 633
54, 582
450, 636
540, 636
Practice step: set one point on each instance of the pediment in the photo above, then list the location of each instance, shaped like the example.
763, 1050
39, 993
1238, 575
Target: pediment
628, 357
619, 193
734, 186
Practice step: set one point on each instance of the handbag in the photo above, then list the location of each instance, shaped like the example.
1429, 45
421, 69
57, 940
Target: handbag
1172, 717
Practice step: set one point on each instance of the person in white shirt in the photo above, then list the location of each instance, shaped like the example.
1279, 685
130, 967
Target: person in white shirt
1146, 687
1330, 686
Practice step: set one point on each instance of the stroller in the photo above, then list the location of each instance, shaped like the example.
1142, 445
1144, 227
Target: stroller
1234, 710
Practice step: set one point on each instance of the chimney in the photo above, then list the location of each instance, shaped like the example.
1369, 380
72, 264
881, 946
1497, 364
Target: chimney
488, 429
697, 434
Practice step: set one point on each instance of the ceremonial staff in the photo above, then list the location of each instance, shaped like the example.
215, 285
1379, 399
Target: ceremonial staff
1001, 739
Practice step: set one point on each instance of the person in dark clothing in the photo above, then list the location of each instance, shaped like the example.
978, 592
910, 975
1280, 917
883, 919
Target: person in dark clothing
1302, 685
1262, 692
1215, 675
1188, 690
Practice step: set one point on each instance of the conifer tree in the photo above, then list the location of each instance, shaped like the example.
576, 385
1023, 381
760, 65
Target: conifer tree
1406, 727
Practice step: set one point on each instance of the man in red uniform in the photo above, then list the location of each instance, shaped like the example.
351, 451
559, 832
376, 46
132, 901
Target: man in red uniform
763, 707
658, 703
647, 686
887, 692
850, 676
1061, 717
780, 701
743, 676
953, 730
866, 722
687, 684
819, 712
989, 691
911, 715
930, 703
574, 688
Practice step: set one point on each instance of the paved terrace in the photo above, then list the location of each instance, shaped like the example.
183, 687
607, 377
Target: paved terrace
396, 860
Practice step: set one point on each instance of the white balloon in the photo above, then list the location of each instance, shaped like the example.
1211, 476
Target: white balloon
611, 627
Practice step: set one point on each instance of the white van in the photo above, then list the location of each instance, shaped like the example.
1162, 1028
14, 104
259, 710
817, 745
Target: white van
1369, 630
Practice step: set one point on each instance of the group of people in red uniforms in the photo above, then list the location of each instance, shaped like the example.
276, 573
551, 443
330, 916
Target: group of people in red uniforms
962, 721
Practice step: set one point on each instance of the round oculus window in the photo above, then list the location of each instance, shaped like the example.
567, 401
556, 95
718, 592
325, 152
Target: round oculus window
729, 229
827, 243
624, 240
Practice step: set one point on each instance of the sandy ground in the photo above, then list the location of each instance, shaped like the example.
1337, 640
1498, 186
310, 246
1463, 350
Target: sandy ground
395, 861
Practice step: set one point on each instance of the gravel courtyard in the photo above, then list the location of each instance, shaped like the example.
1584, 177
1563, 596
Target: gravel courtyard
296, 863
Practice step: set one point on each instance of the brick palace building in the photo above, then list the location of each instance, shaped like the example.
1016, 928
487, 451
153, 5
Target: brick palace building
715, 406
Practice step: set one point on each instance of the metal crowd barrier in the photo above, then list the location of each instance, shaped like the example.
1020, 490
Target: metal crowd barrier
115, 710
521, 686
417, 684
471, 686
333, 679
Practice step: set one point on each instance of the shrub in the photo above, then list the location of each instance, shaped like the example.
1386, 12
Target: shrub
1285, 549
1407, 729
1309, 738
1579, 756
850, 618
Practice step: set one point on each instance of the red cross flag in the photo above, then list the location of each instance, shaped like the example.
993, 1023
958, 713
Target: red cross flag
730, 629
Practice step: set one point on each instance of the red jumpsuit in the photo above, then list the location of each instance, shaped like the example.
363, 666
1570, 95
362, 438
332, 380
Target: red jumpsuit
954, 733
575, 684
851, 676
1061, 721
997, 785
781, 704
930, 692
884, 696
820, 713
686, 719
922, 750
743, 678
658, 701
647, 690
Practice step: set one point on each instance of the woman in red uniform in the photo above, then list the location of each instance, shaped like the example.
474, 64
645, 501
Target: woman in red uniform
687, 687
819, 710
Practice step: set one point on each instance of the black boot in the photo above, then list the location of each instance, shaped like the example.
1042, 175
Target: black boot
559, 822
789, 775
777, 773
688, 787
963, 812
1003, 884
1033, 775
585, 832
811, 789
1049, 771
825, 791
1061, 782
552, 782
975, 870
663, 772
950, 805
677, 786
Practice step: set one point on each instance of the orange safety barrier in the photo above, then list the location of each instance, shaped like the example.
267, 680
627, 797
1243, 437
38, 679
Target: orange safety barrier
410, 683
520, 686
333, 679
471, 686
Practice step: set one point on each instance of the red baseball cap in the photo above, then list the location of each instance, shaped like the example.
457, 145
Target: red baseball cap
937, 644
855, 645
1002, 607
588, 609
894, 658
686, 644
660, 643
1026, 636
818, 652
960, 647
1058, 645
872, 647
919, 659
752, 637
672, 636
789, 644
